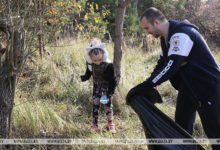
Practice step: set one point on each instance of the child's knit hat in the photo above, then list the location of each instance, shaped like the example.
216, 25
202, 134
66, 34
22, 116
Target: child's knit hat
96, 43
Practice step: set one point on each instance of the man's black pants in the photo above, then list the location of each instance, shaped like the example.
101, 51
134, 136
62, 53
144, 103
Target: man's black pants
209, 112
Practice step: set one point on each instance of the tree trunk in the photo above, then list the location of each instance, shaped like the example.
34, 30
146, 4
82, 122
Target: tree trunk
118, 45
118, 37
9, 68
146, 47
40, 34
7, 91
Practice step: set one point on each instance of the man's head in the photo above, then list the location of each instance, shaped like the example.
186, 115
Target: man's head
152, 20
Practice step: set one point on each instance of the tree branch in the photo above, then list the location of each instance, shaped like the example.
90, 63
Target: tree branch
126, 3
3, 26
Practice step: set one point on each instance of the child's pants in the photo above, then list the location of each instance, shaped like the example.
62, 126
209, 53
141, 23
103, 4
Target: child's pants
97, 94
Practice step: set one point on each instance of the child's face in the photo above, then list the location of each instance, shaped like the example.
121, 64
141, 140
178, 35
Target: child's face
97, 59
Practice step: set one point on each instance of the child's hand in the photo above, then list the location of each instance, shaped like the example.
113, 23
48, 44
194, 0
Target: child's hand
83, 78
109, 95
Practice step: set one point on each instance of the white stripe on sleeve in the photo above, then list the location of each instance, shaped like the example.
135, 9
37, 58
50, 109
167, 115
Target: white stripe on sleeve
163, 72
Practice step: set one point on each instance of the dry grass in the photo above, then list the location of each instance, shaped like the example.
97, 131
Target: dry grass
52, 102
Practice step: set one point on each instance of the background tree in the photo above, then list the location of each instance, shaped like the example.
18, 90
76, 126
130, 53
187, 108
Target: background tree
118, 37
40, 34
142, 5
12, 58
19, 22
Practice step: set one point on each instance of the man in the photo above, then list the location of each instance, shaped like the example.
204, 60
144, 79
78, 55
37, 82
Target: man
186, 61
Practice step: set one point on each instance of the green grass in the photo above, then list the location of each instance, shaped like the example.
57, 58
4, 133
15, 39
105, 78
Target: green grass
52, 102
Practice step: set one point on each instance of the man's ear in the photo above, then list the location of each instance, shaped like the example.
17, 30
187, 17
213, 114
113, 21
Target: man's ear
156, 22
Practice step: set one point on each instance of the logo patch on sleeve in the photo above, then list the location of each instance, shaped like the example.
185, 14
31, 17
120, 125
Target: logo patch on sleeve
175, 37
176, 49
175, 43
180, 44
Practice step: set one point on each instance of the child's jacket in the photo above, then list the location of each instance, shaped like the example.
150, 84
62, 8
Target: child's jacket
103, 75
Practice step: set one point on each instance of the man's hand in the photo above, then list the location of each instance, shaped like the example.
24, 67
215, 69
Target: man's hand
130, 94
140, 89
144, 89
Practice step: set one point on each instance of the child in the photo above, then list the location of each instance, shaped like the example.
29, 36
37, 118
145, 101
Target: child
103, 79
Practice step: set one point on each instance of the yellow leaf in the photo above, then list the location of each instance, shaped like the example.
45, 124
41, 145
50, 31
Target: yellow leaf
86, 16
90, 26
79, 6
107, 12
103, 14
80, 28
85, 37
96, 19
50, 11
97, 6
92, 11
61, 3
22, 78
91, 7
54, 12
95, 29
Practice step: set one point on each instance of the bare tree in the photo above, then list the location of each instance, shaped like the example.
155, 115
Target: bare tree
118, 43
40, 35
11, 63
122, 4
13, 53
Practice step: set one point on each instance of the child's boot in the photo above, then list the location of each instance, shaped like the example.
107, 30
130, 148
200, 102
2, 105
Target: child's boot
95, 128
111, 127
